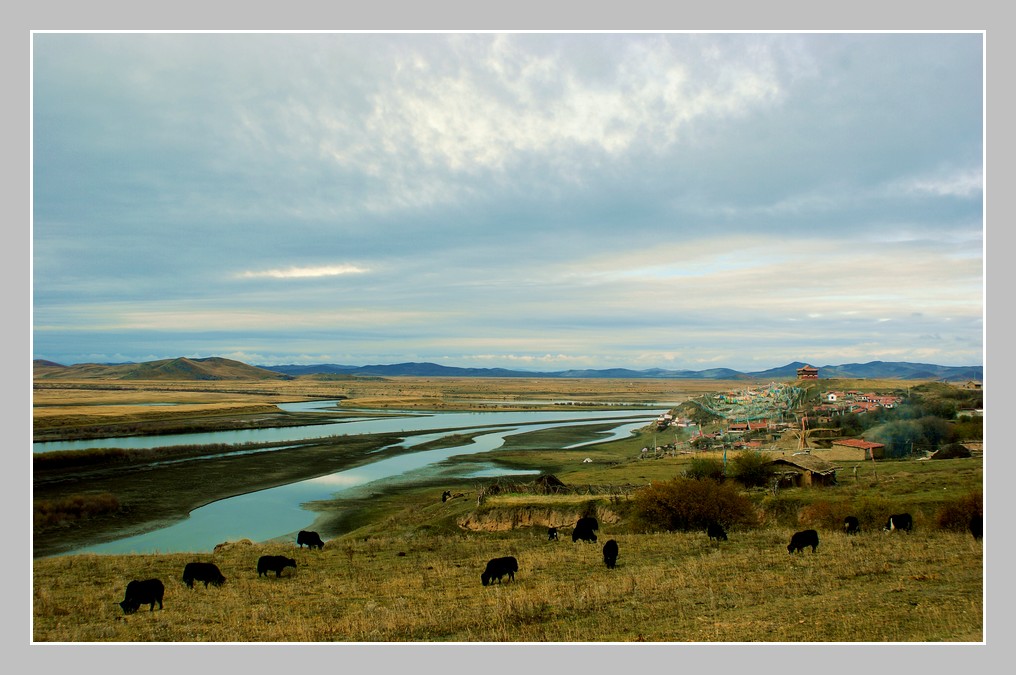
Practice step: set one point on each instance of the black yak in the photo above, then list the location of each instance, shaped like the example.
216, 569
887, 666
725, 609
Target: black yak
147, 592
899, 521
202, 571
802, 540
610, 554
499, 567
851, 525
716, 531
274, 563
977, 525
310, 538
584, 529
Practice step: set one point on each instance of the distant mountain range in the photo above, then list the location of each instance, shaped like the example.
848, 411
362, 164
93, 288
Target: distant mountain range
215, 368
872, 370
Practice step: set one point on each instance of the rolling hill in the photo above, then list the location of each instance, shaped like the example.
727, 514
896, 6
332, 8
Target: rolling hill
212, 368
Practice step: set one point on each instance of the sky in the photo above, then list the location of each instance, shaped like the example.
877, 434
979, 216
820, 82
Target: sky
535, 201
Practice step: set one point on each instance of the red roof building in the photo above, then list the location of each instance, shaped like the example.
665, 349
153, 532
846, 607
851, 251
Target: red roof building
807, 373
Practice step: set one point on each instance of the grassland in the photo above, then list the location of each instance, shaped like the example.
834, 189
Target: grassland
414, 586
400, 565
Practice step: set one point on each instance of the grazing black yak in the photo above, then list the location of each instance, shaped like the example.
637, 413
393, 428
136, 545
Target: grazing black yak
202, 571
802, 540
584, 529
551, 534
899, 521
716, 531
310, 538
147, 592
499, 567
274, 563
610, 554
851, 525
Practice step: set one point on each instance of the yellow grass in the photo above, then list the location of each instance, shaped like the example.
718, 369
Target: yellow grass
667, 587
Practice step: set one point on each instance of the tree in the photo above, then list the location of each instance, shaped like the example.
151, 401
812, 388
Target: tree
701, 468
751, 469
683, 504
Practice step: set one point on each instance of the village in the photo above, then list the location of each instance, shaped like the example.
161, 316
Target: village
795, 426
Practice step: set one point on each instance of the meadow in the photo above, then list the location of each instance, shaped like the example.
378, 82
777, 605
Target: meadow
414, 585
401, 565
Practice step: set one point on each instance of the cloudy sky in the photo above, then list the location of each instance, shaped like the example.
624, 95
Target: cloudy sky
532, 201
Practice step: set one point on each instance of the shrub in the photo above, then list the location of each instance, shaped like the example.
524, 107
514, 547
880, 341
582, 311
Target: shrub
782, 510
955, 515
684, 504
751, 469
872, 512
706, 467
822, 514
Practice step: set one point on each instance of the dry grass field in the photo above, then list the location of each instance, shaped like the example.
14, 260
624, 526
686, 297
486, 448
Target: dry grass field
410, 587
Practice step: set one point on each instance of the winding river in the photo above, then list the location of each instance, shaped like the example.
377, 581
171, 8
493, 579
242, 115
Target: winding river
279, 512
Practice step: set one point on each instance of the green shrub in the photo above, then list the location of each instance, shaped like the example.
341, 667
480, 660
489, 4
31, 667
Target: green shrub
706, 467
684, 504
751, 469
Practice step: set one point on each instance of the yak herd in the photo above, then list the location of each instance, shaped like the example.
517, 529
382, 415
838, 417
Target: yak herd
151, 591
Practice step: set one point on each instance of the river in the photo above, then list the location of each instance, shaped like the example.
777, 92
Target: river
279, 512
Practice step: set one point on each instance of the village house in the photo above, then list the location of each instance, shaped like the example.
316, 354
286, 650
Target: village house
803, 471
854, 449
861, 407
884, 401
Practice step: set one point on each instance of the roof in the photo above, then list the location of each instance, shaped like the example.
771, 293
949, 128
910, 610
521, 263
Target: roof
858, 443
807, 462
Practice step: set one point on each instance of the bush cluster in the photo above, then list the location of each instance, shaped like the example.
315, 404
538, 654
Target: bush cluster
956, 515
782, 510
702, 468
684, 504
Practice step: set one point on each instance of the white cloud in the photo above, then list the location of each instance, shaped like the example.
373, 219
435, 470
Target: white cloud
304, 272
959, 183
